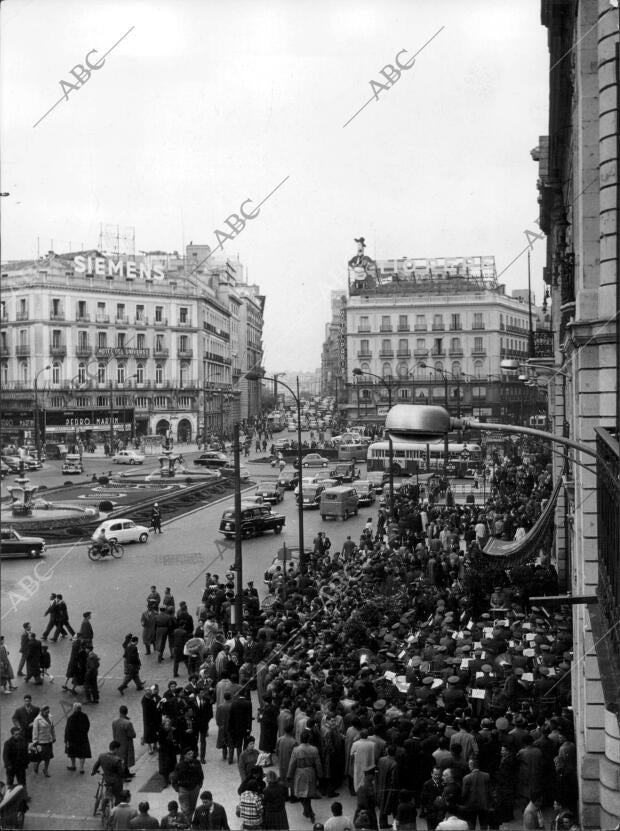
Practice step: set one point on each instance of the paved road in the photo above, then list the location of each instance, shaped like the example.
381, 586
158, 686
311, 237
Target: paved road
115, 591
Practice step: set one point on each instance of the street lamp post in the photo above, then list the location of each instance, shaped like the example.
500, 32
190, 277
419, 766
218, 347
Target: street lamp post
37, 426
300, 507
388, 386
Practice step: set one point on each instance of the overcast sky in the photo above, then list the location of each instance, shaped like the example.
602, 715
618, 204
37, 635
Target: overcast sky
205, 104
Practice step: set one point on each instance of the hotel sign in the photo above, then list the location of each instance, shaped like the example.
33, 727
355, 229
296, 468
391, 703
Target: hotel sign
543, 344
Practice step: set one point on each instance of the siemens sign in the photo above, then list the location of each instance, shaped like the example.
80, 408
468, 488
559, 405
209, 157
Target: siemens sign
104, 267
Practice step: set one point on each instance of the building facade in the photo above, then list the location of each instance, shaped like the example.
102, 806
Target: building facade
436, 332
579, 209
102, 345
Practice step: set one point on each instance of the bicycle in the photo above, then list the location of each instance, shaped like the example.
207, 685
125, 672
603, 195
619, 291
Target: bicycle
98, 552
104, 801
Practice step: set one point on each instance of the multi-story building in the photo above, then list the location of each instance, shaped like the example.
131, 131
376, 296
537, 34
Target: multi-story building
333, 354
579, 202
99, 344
251, 346
436, 331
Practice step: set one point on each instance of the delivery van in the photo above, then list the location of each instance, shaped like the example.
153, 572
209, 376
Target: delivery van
339, 502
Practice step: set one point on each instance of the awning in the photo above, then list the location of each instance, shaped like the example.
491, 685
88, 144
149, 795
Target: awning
510, 553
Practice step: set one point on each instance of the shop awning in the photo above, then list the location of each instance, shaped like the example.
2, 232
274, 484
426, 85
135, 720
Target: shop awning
510, 553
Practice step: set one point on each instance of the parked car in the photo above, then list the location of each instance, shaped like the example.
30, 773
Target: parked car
255, 519
122, 530
283, 444
271, 492
14, 544
72, 464
365, 492
212, 458
314, 460
4, 469
288, 478
12, 462
291, 427
128, 457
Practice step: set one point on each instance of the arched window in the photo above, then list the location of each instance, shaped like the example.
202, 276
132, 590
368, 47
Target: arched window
140, 374
365, 367
386, 371
456, 369
439, 366
55, 373
81, 373
365, 394
23, 372
478, 369
403, 370
101, 373
120, 373
159, 373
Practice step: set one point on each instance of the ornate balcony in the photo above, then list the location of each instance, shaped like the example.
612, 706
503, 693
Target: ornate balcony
22, 350
83, 350
364, 355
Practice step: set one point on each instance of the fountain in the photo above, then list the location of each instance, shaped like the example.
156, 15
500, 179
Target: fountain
22, 494
31, 513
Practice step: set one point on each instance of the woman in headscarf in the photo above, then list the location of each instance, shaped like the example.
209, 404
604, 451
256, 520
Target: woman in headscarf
274, 804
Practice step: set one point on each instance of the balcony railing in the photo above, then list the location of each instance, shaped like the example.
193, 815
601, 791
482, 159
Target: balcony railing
479, 326
456, 353
21, 316
363, 330
420, 327
481, 352
456, 327
4, 350
438, 353
184, 323
384, 328
161, 352
365, 355
185, 353
121, 320
403, 327
386, 353
438, 327
58, 350
57, 315
404, 353
22, 350
102, 318
83, 317
83, 350
161, 322
420, 353
141, 321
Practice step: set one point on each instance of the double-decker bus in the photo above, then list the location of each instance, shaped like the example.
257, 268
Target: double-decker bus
412, 457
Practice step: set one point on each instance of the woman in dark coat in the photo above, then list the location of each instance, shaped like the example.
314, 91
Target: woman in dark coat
167, 748
151, 719
33, 659
268, 726
76, 668
274, 804
77, 745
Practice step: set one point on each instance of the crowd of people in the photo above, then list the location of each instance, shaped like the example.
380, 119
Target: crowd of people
402, 667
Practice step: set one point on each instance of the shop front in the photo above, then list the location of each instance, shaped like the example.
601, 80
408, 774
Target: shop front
17, 427
88, 427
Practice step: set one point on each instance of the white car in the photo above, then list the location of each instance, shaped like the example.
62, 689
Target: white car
128, 457
122, 530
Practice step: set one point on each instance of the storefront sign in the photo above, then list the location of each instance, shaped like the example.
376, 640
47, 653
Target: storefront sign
543, 344
18, 420
88, 419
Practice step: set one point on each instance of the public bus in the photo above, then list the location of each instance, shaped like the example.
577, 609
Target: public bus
412, 457
276, 421
351, 452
